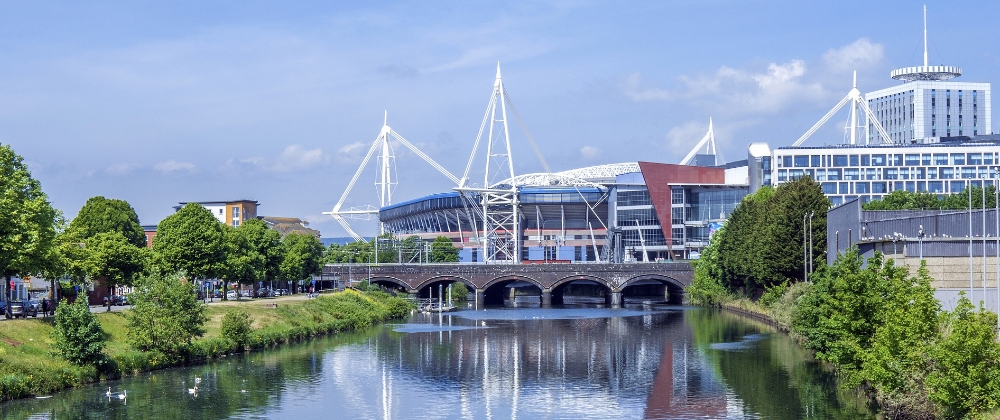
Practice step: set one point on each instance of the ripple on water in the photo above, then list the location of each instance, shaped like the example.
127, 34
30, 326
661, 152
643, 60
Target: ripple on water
568, 313
423, 328
746, 343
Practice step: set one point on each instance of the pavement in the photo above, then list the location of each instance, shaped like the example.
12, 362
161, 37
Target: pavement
217, 301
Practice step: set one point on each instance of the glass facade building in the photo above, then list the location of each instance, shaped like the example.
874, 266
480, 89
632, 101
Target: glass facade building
870, 172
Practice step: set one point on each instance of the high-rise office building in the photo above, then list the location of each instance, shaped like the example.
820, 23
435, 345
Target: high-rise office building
927, 105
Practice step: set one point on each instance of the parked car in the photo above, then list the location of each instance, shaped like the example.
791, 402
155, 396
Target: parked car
120, 300
21, 309
280, 292
231, 294
265, 292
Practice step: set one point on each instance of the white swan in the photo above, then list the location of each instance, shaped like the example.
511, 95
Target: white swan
109, 392
123, 395
193, 391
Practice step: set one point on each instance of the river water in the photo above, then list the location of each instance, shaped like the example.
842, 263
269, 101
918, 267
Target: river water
642, 361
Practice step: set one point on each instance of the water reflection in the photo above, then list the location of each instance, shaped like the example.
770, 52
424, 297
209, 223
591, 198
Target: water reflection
638, 362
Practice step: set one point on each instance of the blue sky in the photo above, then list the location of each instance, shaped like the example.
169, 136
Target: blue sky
161, 102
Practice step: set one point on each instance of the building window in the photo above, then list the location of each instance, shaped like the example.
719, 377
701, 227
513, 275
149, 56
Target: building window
845, 188
833, 175
968, 173
935, 186
975, 158
801, 161
947, 173
851, 174
786, 161
921, 173
839, 160
891, 174
958, 159
878, 188
854, 160
897, 160
912, 160
862, 188
870, 173
821, 174
925, 159
878, 160
814, 161
932, 173
829, 188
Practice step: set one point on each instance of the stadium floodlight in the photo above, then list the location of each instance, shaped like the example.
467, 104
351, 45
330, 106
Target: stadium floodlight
386, 179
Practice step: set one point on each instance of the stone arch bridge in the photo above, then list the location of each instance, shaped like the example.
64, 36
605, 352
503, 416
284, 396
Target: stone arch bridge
490, 280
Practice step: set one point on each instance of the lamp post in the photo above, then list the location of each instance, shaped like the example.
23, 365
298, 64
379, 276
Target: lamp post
811, 240
805, 260
920, 237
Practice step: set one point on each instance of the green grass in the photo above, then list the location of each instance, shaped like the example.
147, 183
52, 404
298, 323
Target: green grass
29, 366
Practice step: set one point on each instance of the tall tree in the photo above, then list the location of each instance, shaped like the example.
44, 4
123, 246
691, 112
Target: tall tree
27, 219
253, 253
781, 246
442, 250
191, 240
103, 215
112, 258
303, 254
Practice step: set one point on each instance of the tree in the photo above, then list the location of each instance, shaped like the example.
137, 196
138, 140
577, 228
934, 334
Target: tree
103, 215
166, 314
442, 250
77, 334
253, 253
236, 327
27, 219
191, 240
111, 258
354, 252
966, 378
303, 254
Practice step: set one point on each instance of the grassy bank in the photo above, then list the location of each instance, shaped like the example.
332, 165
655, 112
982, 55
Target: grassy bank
28, 365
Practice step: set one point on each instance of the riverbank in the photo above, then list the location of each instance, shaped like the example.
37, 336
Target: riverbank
29, 367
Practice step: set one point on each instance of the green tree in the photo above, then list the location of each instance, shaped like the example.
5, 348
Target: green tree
191, 240
111, 258
707, 288
355, 252
77, 334
779, 260
253, 253
442, 250
27, 220
236, 327
966, 376
166, 314
104, 215
303, 254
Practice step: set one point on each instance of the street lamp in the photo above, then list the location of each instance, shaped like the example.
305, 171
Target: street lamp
920, 237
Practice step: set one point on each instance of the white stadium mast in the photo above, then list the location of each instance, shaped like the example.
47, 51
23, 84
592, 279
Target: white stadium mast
498, 201
857, 102
385, 179
708, 143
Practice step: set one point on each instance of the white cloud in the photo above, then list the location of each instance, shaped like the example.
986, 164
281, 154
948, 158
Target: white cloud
293, 158
590, 152
351, 147
173, 165
859, 55
121, 169
634, 89
683, 137
296, 157
746, 92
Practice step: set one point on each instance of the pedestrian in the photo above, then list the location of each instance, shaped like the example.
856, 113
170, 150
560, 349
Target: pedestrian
45, 307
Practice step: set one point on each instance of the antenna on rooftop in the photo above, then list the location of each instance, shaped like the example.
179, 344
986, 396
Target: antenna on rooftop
926, 71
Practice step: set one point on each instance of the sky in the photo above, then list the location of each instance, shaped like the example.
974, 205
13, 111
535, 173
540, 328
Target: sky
164, 102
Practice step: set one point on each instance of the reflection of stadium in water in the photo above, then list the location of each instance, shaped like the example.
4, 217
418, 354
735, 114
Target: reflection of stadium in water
502, 363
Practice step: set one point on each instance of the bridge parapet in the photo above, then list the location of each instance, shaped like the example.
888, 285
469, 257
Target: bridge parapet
546, 276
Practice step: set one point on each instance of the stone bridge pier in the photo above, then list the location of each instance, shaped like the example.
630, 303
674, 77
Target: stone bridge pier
490, 280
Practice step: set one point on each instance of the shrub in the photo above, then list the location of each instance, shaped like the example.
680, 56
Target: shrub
772, 294
236, 326
77, 334
966, 376
459, 292
166, 315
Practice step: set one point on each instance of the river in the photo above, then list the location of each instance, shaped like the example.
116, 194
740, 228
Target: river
578, 361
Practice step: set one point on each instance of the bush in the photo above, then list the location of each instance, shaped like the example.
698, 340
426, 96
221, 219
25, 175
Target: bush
236, 327
966, 375
772, 294
166, 315
459, 292
77, 334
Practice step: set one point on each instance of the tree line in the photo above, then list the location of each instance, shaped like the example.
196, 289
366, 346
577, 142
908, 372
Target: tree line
880, 327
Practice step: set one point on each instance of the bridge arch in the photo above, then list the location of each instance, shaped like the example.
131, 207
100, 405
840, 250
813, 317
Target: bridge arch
390, 281
601, 287
426, 288
493, 290
674, 288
